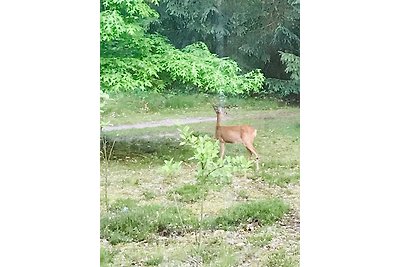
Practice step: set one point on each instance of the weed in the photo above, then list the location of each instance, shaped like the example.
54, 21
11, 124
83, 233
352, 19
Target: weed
264, 211
106, 153
171, 168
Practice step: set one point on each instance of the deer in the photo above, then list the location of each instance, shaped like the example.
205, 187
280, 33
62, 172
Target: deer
243, 134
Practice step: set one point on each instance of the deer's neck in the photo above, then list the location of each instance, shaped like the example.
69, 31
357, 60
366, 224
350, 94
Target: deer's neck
219, 119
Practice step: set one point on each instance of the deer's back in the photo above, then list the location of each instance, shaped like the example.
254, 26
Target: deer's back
235, 134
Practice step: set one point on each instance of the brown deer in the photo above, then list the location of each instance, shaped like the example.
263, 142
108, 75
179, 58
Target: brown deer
244, 134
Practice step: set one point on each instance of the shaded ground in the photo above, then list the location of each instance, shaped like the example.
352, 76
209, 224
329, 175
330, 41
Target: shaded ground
166, 122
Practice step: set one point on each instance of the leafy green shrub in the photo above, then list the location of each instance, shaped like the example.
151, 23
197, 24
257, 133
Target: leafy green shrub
171, 168
265, 211
211, 169
189, 192
137, 223
132, 59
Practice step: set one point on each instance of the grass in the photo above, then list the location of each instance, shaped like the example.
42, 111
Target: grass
147, 226
149, 195
125, 109
216, 252
263, 212
106, 257
154, 261
279, 259
260, 240
188, 193
137, 223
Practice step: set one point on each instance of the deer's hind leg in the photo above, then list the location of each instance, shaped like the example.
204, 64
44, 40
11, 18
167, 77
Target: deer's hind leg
252, 151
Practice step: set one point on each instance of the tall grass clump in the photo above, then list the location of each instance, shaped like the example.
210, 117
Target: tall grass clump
265, 212
136, 223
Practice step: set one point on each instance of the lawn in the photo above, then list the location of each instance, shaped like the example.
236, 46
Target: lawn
154, 208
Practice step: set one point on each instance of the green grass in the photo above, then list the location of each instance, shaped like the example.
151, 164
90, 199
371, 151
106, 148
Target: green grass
281, 180
215, 252
264, 211
188, 193
243, 194
125, 108
144, 226
149, 195
106, 257
260, 239
136, 223
280, 259
123, 204
154, 261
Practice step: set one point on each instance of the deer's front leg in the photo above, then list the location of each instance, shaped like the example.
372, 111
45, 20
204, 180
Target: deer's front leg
221, 149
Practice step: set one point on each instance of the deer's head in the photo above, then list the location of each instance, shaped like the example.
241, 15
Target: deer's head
219, 110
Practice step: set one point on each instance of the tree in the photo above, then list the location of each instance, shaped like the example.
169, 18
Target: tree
287, 89
250, 32
132, 58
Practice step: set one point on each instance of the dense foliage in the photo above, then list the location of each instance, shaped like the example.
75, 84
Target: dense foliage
287, 89
251, 32
134, 59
